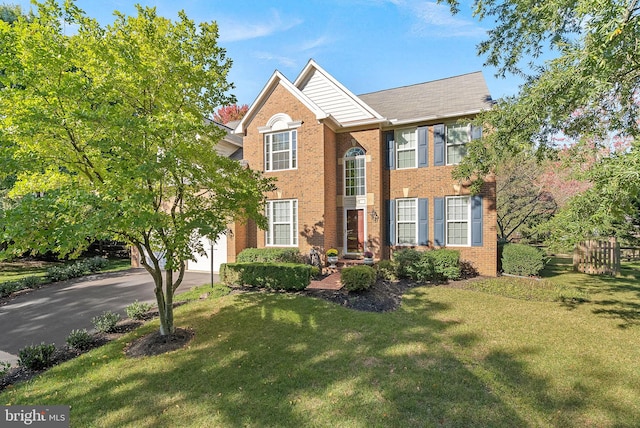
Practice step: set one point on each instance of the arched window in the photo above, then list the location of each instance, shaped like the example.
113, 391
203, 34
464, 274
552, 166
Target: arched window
354, 172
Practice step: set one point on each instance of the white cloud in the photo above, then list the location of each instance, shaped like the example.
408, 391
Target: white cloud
282, 60
231, 30
314, 43
435, 20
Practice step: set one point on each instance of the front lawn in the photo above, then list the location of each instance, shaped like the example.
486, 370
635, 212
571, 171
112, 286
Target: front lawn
448, 357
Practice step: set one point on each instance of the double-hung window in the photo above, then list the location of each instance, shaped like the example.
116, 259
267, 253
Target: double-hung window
407, 221
283, 223
406, 144
280, 150
458, 227
458, 135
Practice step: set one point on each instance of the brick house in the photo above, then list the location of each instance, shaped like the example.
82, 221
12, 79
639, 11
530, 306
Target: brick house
369, 172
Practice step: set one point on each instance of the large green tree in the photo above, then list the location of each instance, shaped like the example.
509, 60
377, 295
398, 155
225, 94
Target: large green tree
581, 60
104, 130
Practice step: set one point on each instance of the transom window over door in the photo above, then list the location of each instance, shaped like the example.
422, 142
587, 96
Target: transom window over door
354, 172
280, 150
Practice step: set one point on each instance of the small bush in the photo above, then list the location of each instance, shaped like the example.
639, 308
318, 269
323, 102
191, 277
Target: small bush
387, 270
57, 273
523, 260
468, 270
6, 288
421, 270
36, 357
358, 278
29, 282
446, 264
106, 323
79, 339
405, 258
270, 255
95, 264
137, 310
4, 368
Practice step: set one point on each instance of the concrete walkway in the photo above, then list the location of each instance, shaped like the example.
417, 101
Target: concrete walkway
48, 314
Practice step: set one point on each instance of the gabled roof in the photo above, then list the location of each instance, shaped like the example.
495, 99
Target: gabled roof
333, 97
445, 98
278, 79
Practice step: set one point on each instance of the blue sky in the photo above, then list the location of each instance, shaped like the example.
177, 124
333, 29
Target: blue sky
368, 45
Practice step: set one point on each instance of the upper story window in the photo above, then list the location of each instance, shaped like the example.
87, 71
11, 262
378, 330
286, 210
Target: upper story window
354, 172
280, 150
458, 135
406, 145
280, 142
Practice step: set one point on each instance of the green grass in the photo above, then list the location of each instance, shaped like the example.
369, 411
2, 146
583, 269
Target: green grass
448, 357
12, 271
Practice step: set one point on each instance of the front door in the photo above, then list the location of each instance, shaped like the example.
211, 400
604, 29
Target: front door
355, 231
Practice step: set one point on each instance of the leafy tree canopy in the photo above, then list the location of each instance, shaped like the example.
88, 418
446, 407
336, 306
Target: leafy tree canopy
104, 132
588, 92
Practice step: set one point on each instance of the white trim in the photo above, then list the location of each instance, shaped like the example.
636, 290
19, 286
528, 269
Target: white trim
362, 157
307, 71
276, 79
344, 228
415, 221
415, 147
293, 235
446, 221
293, 153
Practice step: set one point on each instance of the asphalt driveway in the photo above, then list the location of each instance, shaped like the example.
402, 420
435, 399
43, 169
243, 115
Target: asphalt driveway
50, 313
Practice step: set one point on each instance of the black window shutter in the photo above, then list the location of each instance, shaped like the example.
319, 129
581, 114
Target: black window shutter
391, 221
438, 221
476, 221
423, 221
390, 148
423, 146
438, 145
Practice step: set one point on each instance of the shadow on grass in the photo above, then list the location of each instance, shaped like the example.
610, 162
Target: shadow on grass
613, 297
277, 360
280, 360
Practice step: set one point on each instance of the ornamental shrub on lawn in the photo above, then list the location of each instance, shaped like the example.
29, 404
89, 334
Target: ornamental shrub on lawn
358, 278
523, 260
106, 323
36, 357
79, 339
137, 310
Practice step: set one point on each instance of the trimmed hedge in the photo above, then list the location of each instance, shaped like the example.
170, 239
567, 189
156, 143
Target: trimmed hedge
358, 278
277, 276
433, 265
523, 260
270, 255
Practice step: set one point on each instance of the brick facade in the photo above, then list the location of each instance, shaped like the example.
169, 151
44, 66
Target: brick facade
318, 182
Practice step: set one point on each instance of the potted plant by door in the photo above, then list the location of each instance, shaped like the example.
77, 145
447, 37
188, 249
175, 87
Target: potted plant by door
368, 258
332, 257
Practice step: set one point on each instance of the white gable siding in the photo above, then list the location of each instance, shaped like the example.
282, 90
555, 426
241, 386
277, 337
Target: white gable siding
332, 100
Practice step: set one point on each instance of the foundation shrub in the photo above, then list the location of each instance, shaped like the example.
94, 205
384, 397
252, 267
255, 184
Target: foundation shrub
358, 278
277, 276
270, 255
521, 259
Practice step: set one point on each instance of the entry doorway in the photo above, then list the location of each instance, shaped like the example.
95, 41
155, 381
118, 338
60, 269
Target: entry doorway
355, 231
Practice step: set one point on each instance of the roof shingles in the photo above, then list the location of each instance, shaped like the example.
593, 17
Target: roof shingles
445, 98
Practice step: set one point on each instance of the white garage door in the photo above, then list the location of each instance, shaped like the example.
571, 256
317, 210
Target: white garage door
203, 262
